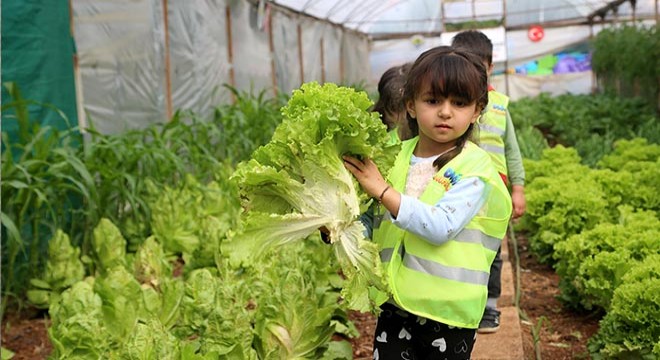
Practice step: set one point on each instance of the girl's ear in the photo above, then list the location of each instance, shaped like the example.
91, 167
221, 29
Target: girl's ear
410, 107
477, 114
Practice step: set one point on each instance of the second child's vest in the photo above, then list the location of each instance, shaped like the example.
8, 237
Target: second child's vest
448, 282
492, 126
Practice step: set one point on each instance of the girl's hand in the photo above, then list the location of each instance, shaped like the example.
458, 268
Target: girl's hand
367, 174
518, 201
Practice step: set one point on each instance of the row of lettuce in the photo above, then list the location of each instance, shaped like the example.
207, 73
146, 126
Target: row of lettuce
192, 288
123, 238
599, 228
593, 202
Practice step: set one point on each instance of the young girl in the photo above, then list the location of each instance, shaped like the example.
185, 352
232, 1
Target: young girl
446, 212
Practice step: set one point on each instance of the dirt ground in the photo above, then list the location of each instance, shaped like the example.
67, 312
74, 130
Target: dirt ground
563, 333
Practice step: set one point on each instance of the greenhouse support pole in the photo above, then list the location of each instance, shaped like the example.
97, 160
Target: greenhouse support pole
506, 47
168, 78
271, 47
77, 79
300, 54
342, 65
594, 83
322, 63
230, 52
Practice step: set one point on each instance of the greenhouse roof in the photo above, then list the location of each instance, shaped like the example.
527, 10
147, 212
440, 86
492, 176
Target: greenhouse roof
387, 17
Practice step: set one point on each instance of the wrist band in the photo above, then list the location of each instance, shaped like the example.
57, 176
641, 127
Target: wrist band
380, 198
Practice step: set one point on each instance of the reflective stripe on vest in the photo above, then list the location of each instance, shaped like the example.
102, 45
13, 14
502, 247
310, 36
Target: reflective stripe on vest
455, 272
492, 127
435, 269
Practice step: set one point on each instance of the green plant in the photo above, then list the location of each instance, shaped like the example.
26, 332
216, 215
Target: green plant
45, 186
297, 183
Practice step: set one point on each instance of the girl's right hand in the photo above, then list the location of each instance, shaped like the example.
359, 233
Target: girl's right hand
367, 174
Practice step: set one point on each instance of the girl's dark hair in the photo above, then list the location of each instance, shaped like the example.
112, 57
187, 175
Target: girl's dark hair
390, 93
450, 72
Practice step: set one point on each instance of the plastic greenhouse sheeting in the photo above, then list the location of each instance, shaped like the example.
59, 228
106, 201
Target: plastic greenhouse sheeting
140, 60
411, 16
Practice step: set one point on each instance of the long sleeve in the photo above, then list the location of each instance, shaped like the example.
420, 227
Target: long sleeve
514, 163
444, 220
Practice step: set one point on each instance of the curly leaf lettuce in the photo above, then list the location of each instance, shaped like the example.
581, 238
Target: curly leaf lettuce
297, 183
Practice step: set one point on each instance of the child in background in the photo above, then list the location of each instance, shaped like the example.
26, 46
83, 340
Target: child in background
390, 103
497, 136
445, 212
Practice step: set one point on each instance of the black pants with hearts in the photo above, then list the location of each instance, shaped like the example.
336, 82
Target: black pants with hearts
401, 335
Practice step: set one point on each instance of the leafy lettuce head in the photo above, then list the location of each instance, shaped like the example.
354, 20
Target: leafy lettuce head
297, 183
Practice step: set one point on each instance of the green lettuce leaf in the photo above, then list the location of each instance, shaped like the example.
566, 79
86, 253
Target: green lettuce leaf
297, 183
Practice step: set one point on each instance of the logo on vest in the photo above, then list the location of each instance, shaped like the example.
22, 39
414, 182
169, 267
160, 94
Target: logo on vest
449, 178
499, 109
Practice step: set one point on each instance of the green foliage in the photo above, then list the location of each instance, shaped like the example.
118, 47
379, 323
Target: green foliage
295, 319
297, 183
44, 185
77, 329
286, 307
561, 201
592, 264
51, 183
590, 123
109, 246
531, 142
631, 328
626, 60
599, 226
245, 125
473, 24
192, 219
627, 151
638, 167
63, 269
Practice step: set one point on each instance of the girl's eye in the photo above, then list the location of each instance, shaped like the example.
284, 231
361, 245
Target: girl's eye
431, 101
460, 103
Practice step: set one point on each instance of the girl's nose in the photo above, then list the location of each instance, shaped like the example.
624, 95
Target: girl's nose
444, 109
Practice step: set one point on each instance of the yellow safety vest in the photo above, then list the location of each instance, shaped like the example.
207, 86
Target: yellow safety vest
448, 282
393, 136
492, 125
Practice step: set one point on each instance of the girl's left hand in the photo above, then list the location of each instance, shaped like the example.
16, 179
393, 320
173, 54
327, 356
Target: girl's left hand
367, 174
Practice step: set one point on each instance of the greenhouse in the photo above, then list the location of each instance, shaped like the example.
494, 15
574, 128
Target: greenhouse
223, 179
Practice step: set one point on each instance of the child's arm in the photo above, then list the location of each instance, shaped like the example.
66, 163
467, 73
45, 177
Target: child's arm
436, 223
448, 217
514, 164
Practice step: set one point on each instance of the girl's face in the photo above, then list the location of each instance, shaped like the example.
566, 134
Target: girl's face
441, 120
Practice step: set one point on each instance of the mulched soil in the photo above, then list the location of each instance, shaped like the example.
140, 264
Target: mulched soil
25, 334
563, 333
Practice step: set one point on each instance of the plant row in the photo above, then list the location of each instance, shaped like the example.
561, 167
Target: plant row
588, 123
599, 228
50, 181
192, 287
